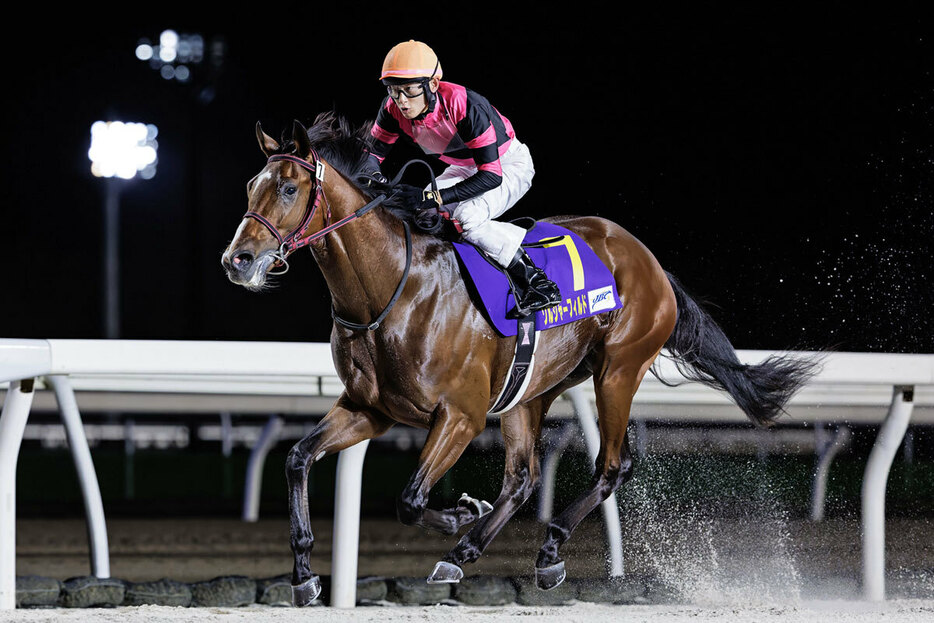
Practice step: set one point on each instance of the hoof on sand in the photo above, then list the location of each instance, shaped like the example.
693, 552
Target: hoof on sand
548, 578
306, 592
445, 573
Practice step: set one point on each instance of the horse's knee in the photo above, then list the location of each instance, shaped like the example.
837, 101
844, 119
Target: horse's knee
299, 460
296, 463
408, 510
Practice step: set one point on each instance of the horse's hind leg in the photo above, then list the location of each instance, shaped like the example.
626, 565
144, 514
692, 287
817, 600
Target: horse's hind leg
342, 427
521, 429
613, 467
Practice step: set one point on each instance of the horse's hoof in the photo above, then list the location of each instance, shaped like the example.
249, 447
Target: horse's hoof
548, 578
306, 592
445, 573
482, 507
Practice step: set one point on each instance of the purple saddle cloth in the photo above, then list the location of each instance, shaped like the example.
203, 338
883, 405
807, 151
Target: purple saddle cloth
586, 284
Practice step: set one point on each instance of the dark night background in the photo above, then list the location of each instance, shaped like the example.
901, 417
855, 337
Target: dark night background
780, 164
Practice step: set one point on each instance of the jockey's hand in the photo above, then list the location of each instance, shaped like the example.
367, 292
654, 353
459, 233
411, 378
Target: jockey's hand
407, 196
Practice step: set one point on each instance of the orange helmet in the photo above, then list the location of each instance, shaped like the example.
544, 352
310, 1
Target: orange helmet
411, 59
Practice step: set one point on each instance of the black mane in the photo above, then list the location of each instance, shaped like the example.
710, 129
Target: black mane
347, 149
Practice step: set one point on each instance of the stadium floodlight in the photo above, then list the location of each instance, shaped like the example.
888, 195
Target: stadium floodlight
186, 58
174, 54
118, 150
123, 150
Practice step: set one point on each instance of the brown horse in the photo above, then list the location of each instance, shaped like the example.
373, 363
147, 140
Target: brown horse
412, 346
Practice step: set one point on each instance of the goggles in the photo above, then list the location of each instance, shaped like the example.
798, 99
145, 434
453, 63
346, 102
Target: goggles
409, 90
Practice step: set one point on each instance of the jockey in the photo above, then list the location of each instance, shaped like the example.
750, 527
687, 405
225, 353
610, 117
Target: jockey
488, 168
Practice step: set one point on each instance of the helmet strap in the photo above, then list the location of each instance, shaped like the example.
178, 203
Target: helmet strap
430, 98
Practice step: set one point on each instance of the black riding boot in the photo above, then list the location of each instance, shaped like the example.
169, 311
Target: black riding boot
534, 290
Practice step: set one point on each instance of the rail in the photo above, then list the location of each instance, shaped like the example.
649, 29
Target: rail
887, 389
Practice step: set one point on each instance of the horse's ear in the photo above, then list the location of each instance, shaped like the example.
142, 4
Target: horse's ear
300, 137
267, 143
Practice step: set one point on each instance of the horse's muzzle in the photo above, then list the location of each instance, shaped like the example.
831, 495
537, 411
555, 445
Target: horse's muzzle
240, 262
245, 269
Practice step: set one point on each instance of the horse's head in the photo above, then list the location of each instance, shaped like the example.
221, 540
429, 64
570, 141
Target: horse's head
282, 201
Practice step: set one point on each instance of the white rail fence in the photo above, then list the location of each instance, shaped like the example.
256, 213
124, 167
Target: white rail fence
299, 378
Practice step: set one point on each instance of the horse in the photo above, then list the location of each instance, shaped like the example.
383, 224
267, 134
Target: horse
412, 346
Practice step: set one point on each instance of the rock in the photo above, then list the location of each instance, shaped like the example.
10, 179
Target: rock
481, 590
624, 590
416, 591
162, 592
528, 593
275, 591
226, 591
88, 591
371, 590
35, 591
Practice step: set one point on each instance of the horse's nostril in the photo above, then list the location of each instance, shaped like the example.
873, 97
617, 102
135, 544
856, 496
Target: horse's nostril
242, 260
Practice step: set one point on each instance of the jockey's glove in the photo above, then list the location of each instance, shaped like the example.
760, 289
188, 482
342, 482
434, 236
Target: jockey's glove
407, 196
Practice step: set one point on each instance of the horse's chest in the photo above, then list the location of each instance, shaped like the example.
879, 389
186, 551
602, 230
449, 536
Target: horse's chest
376, 379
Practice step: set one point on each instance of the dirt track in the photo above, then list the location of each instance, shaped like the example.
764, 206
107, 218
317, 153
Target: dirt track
910, 611
702, 559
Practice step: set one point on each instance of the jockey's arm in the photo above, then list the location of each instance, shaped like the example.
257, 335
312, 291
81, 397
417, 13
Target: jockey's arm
476, 128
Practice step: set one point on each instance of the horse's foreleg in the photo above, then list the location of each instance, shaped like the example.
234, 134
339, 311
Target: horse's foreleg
450, 434
521, 429
343, 426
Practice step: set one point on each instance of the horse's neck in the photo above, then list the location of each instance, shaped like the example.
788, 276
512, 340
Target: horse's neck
363, 261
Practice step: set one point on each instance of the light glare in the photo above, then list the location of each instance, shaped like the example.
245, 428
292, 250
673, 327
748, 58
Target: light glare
144, 52
168, 38
121, 149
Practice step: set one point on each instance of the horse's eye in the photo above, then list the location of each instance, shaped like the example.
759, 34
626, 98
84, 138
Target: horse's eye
289, 190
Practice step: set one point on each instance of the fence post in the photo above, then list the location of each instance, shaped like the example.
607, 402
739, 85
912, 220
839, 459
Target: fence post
874, 482
12, 424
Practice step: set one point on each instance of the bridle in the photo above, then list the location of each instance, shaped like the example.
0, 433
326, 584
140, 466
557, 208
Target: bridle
296, 239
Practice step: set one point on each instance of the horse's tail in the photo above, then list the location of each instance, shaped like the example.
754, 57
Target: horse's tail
703, 353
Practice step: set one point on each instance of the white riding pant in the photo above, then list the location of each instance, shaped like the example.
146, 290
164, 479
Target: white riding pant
499, 240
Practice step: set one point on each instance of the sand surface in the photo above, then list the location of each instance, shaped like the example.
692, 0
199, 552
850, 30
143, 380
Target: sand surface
902, 611
773, 569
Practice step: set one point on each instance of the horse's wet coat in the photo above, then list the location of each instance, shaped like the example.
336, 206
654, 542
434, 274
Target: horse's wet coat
436, 363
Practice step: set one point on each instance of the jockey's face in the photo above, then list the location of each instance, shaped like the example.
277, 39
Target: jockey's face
410, 97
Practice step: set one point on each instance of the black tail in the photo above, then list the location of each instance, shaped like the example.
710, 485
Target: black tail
703, 353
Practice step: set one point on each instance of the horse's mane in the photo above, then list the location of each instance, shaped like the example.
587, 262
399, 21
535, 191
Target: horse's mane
347, 149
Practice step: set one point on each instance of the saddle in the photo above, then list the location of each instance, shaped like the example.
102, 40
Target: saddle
586, 284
